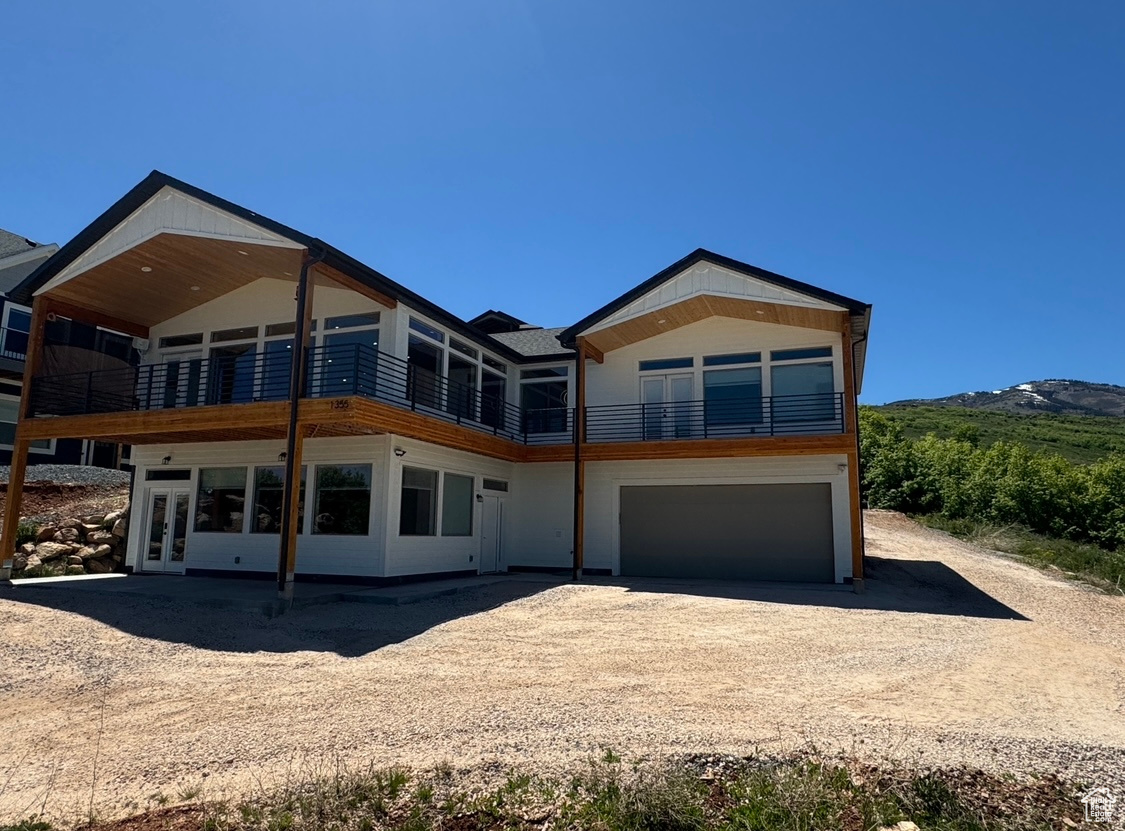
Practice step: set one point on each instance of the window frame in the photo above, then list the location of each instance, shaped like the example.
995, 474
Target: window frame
199, 484
50, 444
316, 499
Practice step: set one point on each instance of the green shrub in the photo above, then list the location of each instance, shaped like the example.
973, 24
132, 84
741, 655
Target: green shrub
26, 532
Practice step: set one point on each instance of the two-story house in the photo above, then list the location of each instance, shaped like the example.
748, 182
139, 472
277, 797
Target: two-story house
297, 413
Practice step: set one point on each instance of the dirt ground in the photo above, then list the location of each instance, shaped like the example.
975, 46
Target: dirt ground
953, 656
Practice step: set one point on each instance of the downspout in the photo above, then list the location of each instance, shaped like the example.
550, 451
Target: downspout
859, 460
297, 379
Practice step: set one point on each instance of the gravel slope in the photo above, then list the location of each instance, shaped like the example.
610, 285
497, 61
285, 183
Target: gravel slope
953, 656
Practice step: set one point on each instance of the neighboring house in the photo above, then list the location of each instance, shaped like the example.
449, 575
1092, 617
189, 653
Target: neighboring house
19, 257
715, 433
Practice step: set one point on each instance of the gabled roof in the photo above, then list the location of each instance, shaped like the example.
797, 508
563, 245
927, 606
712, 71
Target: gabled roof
854, 307
494, 321
147, 188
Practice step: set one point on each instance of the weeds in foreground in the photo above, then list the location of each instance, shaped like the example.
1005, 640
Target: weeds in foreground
799, 793
1078, 561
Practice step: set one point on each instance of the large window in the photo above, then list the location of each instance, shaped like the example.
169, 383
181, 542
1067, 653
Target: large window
732, 396
423, 380
543, 394
343, 499
418, 505
350, 354
221, 500
462, 375
802, 391
269, 490
456, 505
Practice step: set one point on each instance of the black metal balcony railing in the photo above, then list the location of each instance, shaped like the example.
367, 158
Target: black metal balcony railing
13, 344
334, 371
340, 371
780, 415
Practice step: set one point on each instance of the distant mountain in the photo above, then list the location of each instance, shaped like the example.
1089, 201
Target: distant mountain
1050, 396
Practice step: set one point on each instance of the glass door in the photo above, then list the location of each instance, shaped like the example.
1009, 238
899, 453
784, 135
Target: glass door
166, 530
182, 375
666, 406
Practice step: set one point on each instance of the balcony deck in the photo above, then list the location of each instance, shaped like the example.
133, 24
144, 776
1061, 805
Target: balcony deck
356, 390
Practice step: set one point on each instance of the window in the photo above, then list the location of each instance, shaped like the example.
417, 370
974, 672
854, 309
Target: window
547, 372
418, 505
163, 474
544, 406
462, 377
9, 415
727, 360
275, 329
456, 505
17, 325
801, 354
230, 374
493, 389
495, 485
173, 341
352, 321
732, 396
221, 499
423, 373
241, 333
269, 495
277, 368
428, 331
463, 348
343, 499
667, 363
492, 363
803, 392
349, 362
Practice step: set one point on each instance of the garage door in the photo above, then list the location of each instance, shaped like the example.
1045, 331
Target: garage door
730, 532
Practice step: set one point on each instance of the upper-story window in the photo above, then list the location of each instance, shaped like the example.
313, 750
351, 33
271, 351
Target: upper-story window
17, 325
453, 375
543, 397
733, 394
802, 384
347, 360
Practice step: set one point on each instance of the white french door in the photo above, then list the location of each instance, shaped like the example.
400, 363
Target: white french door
166, 523
667, 407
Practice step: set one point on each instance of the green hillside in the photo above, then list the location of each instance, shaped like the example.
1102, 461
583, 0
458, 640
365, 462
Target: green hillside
1077, 438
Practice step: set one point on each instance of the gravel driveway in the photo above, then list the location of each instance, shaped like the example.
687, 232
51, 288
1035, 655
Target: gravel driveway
953, 655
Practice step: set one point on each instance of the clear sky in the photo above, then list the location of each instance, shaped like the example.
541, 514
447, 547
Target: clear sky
960, 165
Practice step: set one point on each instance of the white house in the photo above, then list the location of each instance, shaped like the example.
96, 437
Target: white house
702, 424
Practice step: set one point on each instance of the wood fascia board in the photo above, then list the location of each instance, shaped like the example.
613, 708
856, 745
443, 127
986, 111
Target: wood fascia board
352, 284
215, 417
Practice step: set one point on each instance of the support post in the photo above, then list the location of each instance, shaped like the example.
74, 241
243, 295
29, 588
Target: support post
295, 441
579, 465
851, 426
21, 446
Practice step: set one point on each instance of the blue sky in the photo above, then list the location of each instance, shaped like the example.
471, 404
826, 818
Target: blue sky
959, 165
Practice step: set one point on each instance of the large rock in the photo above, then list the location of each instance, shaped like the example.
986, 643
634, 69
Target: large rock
47, 551
75, 570
103, 550
85, 552
99, 566
46, 533
109, 519
94, 519
101, 538
90, 527
67, 534
33, 562
74, 560
19, 561
71, 522
28, 548
120, 528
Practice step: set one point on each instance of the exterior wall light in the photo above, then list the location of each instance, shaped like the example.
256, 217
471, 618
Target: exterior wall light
400, 452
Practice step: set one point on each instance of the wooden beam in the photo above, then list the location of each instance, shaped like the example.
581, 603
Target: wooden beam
95, 318
579, 466
212, 417
593, 353
851, 428
352, 284
22, 444
295, 443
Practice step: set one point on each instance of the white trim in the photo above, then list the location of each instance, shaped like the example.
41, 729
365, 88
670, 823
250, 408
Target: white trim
39, 251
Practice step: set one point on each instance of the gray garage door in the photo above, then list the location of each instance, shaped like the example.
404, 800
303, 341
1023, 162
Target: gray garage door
735, 532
